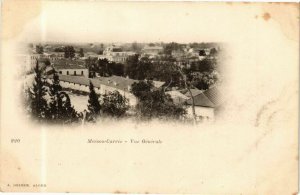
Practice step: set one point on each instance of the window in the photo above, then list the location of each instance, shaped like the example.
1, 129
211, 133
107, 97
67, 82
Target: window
81, 72
67, 72
60, 72
75, 72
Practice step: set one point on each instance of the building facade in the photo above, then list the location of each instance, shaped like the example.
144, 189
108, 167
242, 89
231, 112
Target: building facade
52, 56
115, 54
73, 71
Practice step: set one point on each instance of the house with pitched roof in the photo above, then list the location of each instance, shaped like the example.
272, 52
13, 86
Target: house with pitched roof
70, 67
206, 104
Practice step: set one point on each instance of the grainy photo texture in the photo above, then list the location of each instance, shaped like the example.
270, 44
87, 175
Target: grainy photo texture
149, 97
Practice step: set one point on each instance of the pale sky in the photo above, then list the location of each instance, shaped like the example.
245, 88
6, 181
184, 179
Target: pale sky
79, 21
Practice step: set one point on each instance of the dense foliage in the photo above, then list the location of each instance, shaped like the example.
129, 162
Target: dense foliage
155, 103
59, 108
69, 52
104, 68
114, 104
93, 102
39, 49
81, 53
36, 96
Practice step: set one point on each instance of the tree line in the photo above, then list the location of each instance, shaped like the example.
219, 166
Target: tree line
202, 74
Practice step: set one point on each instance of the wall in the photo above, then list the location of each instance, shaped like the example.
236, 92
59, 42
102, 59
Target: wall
71, 72
78, 87
102, 89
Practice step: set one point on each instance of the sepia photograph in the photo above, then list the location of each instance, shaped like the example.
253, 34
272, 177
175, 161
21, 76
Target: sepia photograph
86, 82
149, 97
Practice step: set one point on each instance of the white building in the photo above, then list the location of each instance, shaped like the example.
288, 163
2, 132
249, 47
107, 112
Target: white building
206, 104
115, 54
73, 71
76, 83
71, 67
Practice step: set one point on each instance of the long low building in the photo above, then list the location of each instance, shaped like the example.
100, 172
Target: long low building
102, 85
71, 67
72, 70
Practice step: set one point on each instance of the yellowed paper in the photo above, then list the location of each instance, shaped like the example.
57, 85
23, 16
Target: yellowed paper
251, 149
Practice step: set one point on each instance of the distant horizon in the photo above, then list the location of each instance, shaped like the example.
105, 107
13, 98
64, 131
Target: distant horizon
129, 42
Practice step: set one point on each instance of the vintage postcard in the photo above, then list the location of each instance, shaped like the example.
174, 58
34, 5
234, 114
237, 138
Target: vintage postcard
149, 97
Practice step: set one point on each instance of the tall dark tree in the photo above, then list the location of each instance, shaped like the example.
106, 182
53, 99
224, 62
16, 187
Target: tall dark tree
69, 52
213, 52
81, 54
93, 102
61, 110
103, 67
68, 114
55, 110
130, 65
38, 102
91, 64
39, 49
